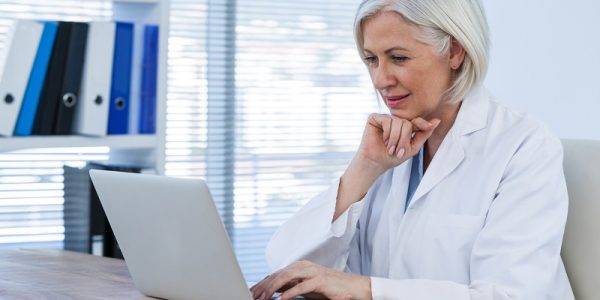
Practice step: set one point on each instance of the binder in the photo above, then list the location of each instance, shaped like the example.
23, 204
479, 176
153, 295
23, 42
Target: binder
135, 83
51, 91
91, 116
69, 95
148, 82
18, 62
36, 80
100, 230
118, 115
86, 227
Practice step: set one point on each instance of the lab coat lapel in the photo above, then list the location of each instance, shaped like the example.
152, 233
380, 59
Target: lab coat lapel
471, 117
393, 213
448, 157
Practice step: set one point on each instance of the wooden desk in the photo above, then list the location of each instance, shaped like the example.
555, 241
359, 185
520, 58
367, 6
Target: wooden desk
52, 274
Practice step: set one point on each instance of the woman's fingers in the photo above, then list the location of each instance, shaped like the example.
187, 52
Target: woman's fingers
389, 140
421, 124
423, 131
383, 122
259, 288
314, 281
395, 135
295, 272
393, 130
404, 142
302, 288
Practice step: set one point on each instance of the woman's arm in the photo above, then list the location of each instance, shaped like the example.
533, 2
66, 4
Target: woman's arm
387, 142
515, 256
322, 230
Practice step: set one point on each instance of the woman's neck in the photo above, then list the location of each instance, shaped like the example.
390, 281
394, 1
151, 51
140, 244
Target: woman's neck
447, 114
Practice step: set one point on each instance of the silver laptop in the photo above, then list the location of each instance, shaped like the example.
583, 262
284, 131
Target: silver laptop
171, 236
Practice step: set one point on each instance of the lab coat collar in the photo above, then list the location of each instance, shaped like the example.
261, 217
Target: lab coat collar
472, 116
473, 113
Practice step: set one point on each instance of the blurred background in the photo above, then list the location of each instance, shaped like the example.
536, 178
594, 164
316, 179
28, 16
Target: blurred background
266, 100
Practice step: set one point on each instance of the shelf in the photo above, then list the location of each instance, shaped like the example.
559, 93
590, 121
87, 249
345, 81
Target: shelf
137, 1
115, 142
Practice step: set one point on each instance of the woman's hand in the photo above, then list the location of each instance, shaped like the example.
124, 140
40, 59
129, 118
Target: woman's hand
315, 281
388, 141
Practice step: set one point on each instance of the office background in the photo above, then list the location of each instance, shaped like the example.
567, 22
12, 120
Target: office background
266, 100
545, 61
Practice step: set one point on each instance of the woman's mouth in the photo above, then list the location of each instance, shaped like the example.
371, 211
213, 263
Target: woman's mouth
395, 101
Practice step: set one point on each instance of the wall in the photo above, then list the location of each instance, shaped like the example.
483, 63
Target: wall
545, 60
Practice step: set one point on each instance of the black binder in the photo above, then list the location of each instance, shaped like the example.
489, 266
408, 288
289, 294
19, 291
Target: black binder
51, 91
86, 226
69, 95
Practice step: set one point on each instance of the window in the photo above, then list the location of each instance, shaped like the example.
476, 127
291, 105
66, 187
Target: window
266, 100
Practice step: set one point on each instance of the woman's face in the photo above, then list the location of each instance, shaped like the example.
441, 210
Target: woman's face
408, 73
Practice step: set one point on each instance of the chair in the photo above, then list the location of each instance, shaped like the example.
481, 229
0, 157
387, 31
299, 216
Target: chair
581, 243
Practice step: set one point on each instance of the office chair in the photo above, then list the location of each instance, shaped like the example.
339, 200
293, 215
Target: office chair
581, 243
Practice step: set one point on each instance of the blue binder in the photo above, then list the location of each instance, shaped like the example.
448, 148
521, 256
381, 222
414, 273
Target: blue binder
36, 80
148, 85
118, 115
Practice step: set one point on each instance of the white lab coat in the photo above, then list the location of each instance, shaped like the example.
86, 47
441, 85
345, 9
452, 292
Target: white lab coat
486, 222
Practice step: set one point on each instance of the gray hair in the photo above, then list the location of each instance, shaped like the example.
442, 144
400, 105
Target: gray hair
438, 22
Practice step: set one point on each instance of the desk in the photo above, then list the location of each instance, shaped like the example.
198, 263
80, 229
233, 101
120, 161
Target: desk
53, 274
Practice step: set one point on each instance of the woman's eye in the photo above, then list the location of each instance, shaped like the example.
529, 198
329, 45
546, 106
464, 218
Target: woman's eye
399, 58
370, 59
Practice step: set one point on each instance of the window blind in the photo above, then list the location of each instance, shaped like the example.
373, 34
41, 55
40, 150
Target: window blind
267, 101
31, 181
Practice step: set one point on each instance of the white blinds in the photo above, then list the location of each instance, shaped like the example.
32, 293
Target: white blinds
267, 101
31, 182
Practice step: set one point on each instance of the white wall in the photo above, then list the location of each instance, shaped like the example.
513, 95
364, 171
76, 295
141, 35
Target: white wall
545, 60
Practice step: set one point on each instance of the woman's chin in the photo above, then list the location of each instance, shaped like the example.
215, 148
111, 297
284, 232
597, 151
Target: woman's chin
403, 114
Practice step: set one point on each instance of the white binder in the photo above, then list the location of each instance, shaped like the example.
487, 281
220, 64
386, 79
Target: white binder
91, 117
17, 61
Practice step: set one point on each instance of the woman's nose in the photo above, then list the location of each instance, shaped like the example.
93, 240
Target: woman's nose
383, 78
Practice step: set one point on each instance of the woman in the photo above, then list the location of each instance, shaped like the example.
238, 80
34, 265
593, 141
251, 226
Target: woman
451, 196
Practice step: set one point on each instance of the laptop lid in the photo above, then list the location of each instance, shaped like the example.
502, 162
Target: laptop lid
171, 236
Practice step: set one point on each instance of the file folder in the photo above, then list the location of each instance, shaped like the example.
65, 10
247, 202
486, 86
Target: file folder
36, 81
18, 62
148, 85
91, 116
69, 95
51, 91
118, 115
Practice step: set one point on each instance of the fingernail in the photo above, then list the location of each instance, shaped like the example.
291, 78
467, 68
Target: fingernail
391, 150
278, 298
400, 152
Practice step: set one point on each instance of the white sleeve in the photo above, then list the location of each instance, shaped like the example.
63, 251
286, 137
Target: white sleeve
311, 235
516, 256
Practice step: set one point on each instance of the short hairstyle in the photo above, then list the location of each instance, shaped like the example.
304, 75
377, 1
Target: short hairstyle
438, 22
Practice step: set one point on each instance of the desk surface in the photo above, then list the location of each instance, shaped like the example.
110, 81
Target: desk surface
52, 274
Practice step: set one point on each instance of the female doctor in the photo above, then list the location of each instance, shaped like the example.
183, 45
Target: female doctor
450, 196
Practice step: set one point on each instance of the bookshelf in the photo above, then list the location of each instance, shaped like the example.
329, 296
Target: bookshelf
124, 142
148, 149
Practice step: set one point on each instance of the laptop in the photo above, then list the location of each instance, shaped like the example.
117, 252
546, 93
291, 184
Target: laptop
171, 235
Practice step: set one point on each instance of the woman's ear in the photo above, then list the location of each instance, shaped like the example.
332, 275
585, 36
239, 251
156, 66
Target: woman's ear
457, 54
